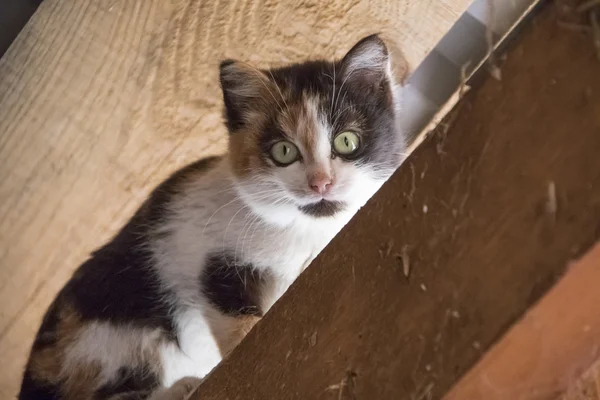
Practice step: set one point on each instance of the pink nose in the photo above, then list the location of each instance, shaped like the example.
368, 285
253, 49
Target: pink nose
320, 184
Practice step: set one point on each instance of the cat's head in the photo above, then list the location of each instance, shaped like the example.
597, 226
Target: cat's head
315, 138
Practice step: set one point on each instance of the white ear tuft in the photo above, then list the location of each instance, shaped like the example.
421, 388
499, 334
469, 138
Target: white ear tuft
368, 61
245, 89
241, 81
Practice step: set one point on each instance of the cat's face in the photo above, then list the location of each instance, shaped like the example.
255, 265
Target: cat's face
315, 138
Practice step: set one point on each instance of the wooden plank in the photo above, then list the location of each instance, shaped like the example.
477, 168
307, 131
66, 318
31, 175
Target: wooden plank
487, 214
549, 349
99, 100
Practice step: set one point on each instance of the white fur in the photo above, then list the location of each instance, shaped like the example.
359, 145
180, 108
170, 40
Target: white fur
196, 342
371, 57
111, 346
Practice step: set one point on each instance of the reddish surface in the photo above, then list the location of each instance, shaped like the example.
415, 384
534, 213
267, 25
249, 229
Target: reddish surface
549, 349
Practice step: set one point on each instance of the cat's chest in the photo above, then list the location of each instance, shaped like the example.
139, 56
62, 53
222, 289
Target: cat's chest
287, 251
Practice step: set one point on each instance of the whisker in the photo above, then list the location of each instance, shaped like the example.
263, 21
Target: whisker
287, 108
237, 198
261, 77
247, 221
227, 228
219, 209
246, 218
245, 206
332, 91
283, 200
255, 218
344, 82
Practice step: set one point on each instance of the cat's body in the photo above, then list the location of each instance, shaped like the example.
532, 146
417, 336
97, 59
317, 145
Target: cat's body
219, 242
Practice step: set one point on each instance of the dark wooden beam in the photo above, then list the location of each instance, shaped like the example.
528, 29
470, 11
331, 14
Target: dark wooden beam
14, 14
483, 217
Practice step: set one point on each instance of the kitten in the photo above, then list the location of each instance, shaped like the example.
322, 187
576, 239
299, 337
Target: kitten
216, 244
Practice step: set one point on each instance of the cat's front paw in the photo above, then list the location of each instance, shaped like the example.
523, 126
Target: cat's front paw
180, 390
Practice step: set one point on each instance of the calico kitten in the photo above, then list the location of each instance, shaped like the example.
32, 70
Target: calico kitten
217, 243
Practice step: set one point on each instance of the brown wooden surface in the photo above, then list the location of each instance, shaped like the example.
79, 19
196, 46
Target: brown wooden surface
549, 350
473, 214
102, 99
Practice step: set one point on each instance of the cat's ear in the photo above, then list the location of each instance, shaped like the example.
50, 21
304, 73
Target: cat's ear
368, 63
245, 92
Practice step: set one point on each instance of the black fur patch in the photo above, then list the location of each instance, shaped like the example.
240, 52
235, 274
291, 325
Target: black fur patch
48, 333
120, 288
232, 112
323, 208
117, 283
153, 211
234, 289
130, 384
32, 389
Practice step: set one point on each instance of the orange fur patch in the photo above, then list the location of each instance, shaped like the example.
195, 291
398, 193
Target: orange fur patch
82, 379
46, 363
227, 341
299, 122
244, 152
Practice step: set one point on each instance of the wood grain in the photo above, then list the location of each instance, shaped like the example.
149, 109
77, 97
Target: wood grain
99, 100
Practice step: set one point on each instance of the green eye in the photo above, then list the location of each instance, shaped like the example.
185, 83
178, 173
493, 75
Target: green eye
346, 143
284, 152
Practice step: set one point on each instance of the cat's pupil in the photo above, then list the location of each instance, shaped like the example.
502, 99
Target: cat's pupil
346, 142
285, 150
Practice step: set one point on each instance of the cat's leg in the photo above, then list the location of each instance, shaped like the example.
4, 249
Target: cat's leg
229, 332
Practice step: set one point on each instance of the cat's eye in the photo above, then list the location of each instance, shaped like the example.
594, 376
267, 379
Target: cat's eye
284, 152
346, 143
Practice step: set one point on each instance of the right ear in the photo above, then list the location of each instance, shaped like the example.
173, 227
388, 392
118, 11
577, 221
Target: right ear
245, 92
367, 64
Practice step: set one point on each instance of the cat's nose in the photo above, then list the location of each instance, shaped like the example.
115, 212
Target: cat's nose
320, 184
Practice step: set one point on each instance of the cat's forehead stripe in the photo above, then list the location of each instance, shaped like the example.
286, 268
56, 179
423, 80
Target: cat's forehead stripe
322, 148
311, 135
306, 125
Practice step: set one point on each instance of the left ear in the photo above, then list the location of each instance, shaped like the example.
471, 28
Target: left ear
246, 93
367, 64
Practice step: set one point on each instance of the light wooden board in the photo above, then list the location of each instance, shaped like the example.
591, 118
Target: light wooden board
101, 99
